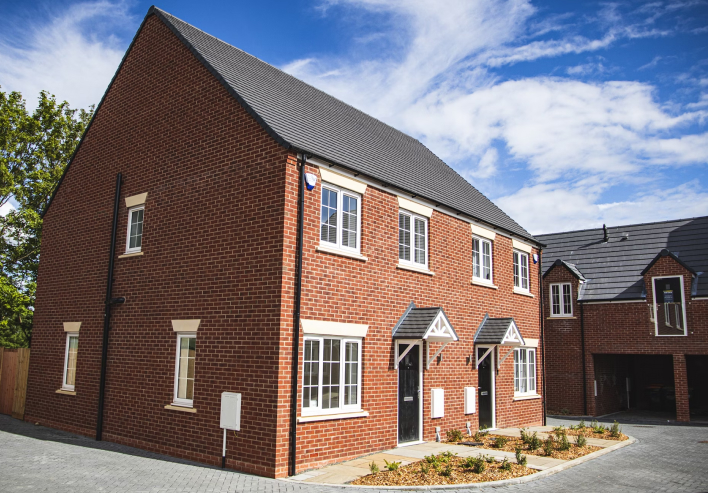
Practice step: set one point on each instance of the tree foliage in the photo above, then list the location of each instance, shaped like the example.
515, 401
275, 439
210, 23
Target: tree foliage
34, 151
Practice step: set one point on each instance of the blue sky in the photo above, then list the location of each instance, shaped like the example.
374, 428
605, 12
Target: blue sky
567, 114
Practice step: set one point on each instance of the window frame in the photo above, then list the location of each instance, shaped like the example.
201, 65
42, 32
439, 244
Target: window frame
483, 240
413, 217
561, 299
528, 271
530, 376
341, 192
342, 409
127, 237
683, 307
176, 401
64, 385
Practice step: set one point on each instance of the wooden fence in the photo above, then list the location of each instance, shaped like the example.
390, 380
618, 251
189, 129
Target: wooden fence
14, 366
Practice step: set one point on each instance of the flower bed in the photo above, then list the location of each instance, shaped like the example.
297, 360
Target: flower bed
595, 430
510, 444
445, 468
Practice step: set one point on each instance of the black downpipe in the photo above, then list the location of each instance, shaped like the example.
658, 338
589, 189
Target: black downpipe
543, 342
296, 315
582, 348
107, 314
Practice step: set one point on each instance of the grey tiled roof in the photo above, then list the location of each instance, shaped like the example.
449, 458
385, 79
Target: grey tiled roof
614, 269
415, 323
571, 267
492, 330
298, 115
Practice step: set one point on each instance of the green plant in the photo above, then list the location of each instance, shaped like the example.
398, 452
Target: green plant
446, 456
373, 467
580, 441
548, 446
559, 431
524, 434
434, 461
563, 443
392, 466
505, 465
447, 471
520, 459
499, 442
480, 434
424, 468
565, 411
615, 431
454, 436
596, 427
581, 425
477, 464
534, 442
488, 458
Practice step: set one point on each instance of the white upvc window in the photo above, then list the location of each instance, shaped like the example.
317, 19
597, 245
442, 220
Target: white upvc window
184, 369
134, 238
331, 377
412, 239
482, 259
561, 300
524, 371
340, 220
521, 270
70, 357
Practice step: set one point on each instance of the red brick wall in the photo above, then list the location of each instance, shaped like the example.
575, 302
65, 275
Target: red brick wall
615, 328
376, 293
212, 244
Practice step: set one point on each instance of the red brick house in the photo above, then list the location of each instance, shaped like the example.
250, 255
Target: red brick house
626, 319
416, 300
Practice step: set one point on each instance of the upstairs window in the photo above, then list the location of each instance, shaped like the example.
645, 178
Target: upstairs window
134, 240
669, 306
340, 220
561, 300
412, 239
70, 357
524, 371
521, 271
482, 259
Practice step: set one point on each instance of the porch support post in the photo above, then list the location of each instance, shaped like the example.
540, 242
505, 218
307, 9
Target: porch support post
681, 388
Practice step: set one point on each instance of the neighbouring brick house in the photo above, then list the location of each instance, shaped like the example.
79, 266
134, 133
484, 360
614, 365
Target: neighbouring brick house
410, 278
631, 302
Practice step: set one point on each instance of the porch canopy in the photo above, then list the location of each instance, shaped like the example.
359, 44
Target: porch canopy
424, 324
496, 332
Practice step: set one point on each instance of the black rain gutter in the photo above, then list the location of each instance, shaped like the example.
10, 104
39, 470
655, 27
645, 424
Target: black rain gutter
296, 314
543, 343
107, 314
582, 349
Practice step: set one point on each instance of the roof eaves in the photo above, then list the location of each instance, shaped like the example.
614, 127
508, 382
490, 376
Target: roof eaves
572, 268
403, 317
665, 253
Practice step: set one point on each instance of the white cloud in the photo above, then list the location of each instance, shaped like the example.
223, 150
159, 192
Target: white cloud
6, 208
70, 55
441, 84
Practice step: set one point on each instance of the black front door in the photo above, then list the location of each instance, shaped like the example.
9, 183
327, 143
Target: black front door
484, 374
408, 395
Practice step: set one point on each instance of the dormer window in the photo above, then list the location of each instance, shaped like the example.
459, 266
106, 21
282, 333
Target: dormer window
561, 300
669, 307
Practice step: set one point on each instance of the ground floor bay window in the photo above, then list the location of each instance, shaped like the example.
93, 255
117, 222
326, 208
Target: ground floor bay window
331, 375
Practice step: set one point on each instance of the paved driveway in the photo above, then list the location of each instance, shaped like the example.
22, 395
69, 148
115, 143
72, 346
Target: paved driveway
37, 459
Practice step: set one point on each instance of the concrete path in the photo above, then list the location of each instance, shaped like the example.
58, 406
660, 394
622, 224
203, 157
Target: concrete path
37, 459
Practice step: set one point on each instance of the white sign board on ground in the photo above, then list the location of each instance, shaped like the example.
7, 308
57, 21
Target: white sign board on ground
231, 411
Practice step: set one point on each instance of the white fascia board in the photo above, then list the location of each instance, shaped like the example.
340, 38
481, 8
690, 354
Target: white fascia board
416, 207
519, 245
352, 184
483, 232
321, 327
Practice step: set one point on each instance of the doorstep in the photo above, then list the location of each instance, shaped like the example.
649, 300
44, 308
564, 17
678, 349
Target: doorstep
345, 472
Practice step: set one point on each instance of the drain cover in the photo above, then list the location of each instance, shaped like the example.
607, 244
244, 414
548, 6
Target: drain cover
472, 444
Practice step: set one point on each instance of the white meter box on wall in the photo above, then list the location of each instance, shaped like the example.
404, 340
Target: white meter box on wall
231, 411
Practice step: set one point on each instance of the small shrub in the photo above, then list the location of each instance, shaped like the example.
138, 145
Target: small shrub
548, 445
373, 467
447, 471
480, 434
480, 465
615, 431
565, 411
596, 427
520, 459
392, 466
454, 436
534, 442
580, 441
488, 458
563, 443
505, 465
424, 468
499, 442
524, 434
559, 431
434, 461
581, 425
446, 456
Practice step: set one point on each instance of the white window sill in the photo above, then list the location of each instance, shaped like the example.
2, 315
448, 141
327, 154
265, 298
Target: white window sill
341, 253
523, 292
328, 417
413, 268
66, 392
174, 407
486, 284
526, 397
560, 317
134, 254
